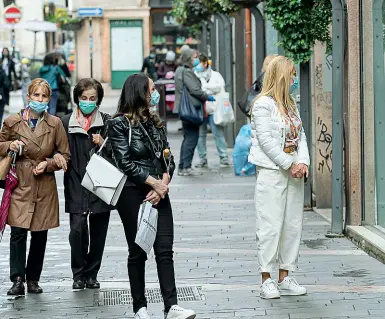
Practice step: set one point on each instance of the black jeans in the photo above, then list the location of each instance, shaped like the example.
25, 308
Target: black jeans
128, 207
6, 92
18, 251
87, 247
190, 141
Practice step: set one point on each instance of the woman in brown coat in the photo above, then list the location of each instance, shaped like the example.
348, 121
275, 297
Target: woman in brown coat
34, 204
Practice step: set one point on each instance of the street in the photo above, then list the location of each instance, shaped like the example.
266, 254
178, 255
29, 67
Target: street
215, 259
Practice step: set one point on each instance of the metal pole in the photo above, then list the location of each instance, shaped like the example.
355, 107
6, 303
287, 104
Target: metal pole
337, 118
91, 46
305, 111
379, 110
260, 37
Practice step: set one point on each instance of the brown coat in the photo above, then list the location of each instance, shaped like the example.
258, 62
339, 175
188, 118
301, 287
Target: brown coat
35, 203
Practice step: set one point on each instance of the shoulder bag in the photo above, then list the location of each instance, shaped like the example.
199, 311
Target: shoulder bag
187, 111
104, 179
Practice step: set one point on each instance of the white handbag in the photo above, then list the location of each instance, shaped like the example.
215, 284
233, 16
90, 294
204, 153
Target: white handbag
103, 179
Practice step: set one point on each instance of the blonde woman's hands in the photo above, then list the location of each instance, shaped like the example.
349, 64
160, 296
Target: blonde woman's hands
299, 170
14, 146
60, 161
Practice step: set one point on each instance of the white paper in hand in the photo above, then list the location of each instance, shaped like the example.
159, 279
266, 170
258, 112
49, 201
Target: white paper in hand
147, 226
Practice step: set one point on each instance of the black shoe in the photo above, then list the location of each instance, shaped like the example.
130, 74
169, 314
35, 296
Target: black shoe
33, 287
92, 284
17, 288
78, 285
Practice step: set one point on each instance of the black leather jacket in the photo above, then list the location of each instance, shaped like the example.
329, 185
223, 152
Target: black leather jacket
137, 160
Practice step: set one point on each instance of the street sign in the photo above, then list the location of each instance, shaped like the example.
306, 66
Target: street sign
12, 14
90, 12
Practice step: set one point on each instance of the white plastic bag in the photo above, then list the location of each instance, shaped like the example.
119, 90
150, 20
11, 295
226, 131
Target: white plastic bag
147, 227
224, 113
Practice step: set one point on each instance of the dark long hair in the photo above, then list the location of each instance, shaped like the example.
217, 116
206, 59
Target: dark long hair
134, 102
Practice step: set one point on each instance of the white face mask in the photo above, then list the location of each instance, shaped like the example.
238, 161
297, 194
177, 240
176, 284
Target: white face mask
205, 74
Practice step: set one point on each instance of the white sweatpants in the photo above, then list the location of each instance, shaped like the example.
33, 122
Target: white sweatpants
279, 208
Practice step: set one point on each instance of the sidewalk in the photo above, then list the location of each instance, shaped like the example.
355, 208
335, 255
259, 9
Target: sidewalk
215, 261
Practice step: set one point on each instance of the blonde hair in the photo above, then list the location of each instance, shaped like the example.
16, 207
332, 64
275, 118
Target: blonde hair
267, 61
276, 84
39, 82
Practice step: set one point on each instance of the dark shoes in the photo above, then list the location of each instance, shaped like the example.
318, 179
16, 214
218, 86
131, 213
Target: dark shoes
17, 288
33, 287
89, 283
92, 284
78, 285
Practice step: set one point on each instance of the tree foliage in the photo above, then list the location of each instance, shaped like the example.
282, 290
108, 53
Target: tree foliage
300, 24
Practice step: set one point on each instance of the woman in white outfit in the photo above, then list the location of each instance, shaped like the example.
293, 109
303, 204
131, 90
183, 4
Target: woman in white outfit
280, 152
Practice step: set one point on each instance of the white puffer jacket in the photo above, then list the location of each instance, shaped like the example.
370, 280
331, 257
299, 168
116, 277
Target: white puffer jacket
268, 138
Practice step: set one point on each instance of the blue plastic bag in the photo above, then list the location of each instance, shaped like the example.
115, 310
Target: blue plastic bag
241, 152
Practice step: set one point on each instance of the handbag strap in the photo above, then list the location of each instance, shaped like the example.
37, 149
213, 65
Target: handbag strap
129, 138
149, 138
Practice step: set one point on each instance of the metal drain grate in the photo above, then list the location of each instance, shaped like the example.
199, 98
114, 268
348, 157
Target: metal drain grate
111, 297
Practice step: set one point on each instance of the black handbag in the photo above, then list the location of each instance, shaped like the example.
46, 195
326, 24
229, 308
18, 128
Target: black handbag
245, 103
187, 111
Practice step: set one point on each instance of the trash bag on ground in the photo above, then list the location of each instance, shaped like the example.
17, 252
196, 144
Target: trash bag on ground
241, 153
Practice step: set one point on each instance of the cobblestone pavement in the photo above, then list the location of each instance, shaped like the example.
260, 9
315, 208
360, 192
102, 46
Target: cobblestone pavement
215, 255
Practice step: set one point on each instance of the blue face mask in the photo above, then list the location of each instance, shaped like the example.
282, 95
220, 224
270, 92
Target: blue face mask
295, 85
196, 62
155, 97
38, 107
199, 68
87, 107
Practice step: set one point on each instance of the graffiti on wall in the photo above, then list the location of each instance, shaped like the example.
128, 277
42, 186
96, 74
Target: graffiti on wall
325, 148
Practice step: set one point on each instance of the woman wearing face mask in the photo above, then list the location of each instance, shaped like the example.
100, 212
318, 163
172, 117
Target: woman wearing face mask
141, 151
185, 75
41, 143
213, 84
280, 152
86, 129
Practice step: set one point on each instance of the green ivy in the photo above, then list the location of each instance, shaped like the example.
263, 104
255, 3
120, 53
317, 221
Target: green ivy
300, 24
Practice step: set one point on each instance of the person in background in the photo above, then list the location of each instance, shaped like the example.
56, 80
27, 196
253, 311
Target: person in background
213, 84
52, 73
168, 65
3, 82
149, 65
25, 79
41, 143
185, 74
137, 135
60, 61
280, 152
183, 48
86, 129
9, 68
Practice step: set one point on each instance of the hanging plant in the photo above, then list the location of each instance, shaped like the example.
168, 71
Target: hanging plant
300, 24
194, 12
63, 20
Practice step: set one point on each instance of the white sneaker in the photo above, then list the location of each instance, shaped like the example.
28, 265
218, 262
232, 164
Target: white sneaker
290, 287
177, 312
142, 314
269, 290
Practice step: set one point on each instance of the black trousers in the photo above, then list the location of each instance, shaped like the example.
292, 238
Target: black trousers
6, 92
87, 247
190, 141
18, 251
128, 207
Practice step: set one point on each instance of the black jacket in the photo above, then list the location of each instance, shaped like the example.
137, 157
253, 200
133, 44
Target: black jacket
137, 160
78, 199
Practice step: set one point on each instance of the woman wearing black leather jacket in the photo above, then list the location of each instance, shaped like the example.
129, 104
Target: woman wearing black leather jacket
139, 147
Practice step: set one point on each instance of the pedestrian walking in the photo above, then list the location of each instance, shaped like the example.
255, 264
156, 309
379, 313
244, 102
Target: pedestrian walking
25, 79
86, 129
150, 66
9, 68
4, 82
54, 75
279, 150
213, 84
35, 136
168, 65
185, 77
141, 150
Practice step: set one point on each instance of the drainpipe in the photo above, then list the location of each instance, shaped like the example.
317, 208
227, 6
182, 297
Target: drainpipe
249, 48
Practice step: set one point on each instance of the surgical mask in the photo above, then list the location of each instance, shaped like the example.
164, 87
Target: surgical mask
155, 97
295, 85
196, 62
87, 107
38, 107
199, 68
